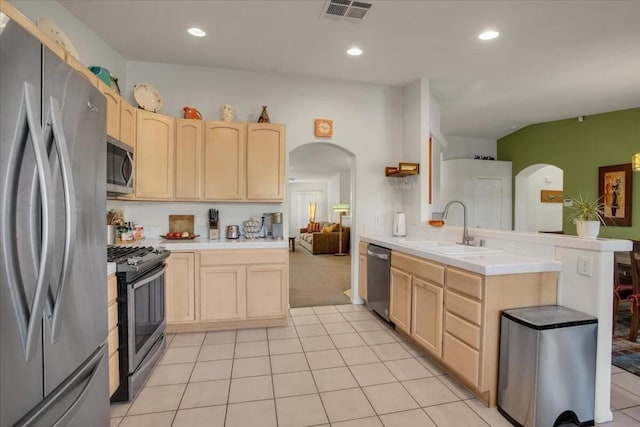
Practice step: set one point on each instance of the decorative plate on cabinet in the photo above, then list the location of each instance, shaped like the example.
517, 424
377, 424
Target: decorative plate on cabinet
58, 36
148, 97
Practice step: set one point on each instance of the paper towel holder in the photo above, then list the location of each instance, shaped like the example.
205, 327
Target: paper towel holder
399, 225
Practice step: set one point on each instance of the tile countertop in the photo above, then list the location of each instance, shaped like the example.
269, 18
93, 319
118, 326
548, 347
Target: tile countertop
199, 244
488, 265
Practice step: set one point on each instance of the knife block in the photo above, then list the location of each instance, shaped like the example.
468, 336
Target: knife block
214, 232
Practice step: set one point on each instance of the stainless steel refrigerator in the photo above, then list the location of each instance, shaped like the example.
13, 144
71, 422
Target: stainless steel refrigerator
53, 293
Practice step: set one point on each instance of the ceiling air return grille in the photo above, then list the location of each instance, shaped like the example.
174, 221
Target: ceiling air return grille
345, 10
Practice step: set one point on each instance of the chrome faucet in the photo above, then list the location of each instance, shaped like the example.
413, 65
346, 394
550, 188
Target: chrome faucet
466, 239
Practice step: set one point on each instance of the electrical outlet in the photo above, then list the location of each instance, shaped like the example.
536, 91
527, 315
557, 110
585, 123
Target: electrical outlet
585, 267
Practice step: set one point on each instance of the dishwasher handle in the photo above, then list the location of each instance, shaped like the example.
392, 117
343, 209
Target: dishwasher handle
377, 255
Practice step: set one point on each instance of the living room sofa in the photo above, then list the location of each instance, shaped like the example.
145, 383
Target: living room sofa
324, 242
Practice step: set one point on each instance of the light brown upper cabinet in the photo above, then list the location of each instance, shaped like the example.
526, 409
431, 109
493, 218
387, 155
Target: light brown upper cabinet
265, 162
154, 156
189, 141
113, 109
128, 123
224, 159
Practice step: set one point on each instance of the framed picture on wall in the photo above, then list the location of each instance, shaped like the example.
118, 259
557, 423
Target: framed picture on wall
614, 189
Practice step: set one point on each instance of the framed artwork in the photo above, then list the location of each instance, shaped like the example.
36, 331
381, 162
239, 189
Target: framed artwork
551, 196
614, 189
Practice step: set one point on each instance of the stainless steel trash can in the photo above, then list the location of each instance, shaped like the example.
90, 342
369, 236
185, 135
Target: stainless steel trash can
547, 366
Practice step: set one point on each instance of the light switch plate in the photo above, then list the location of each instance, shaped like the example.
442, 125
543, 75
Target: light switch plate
585, 266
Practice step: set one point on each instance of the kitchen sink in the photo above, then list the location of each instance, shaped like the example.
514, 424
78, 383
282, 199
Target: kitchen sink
448, 248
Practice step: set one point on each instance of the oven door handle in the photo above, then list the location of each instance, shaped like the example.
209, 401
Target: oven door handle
151, 278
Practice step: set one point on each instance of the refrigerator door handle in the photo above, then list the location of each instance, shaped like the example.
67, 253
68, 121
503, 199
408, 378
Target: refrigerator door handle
86, 373
55, 135
28, 317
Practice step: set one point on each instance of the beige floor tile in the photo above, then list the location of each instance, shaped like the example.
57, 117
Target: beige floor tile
349, 308
390, 351
347, 340
251, 388
377, 337
206, 393
366, 325
361, 422
331, 318
193, 339
285, 346
620, 420
429, 391
632, 412
114, 422
220, 337
342, 405
253, 334
293, 384
490, 415
251, 349
627, 381
339, 328
211, 416
325, 309
387, 398
616, 370
252, 414
407, 369
169, 338
622, 399
457, 388
372, 374
358, 316
311, 330
209, 371
119, 410
216, 352
317, 343
157, 399
300, 411
411, 349
358, 355
454, 414
414, 418
170, 374
334, 379
251, 367
430, 365
302, 311
281, 332
324, 359
179, 355
159, 419
305, 320
283, 363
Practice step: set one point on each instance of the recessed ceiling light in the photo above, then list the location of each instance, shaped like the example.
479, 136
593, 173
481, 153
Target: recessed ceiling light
196, 32
488, 35
354, 51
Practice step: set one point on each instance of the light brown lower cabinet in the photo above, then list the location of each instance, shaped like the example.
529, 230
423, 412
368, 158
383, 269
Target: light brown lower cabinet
454, 314
112, 337
230, 288
362, 271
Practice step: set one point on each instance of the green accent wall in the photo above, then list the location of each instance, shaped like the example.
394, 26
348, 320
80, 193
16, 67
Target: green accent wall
579, 149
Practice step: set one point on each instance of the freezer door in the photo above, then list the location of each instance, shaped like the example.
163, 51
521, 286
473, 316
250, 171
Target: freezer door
21, 194
74, 120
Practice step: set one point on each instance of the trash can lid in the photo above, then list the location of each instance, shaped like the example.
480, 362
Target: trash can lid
549, 317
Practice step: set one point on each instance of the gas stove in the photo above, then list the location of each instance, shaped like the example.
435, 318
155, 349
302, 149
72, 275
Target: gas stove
136, 259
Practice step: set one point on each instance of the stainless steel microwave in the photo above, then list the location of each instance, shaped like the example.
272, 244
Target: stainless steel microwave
119, 167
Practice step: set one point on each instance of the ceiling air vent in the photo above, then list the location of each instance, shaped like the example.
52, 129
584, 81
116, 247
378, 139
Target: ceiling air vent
345, 10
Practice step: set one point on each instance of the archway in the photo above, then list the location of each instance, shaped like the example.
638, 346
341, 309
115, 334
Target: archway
531, 212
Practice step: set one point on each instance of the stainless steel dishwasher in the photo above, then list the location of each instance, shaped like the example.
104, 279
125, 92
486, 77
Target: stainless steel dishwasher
378, 277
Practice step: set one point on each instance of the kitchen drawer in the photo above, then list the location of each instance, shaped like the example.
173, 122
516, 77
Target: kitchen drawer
112, 288
112, 340
243, 256
112, 316
464, 282
418, 267
463, 330
463, 307
114, 373
463, 359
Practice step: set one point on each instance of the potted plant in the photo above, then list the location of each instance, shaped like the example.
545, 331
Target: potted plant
587, 216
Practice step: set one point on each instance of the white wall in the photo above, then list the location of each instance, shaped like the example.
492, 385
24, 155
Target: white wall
92, 49
461, 147
530, 213
333, 196
345, 187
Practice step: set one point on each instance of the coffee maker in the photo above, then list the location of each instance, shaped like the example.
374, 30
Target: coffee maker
277, 225
267, 225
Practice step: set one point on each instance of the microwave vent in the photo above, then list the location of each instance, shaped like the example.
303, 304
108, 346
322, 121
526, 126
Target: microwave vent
345, 10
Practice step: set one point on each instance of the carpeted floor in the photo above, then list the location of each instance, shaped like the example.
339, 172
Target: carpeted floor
625, 354
316, 280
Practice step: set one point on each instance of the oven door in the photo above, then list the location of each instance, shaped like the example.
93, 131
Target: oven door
146, 314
